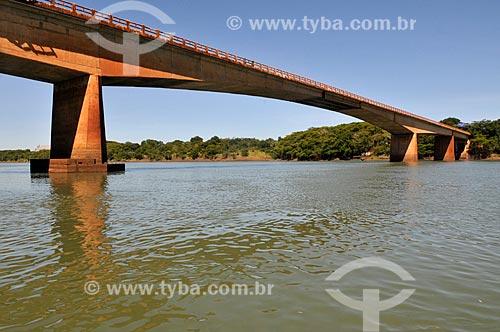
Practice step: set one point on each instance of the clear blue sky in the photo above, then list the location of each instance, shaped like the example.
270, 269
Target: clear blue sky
448, 66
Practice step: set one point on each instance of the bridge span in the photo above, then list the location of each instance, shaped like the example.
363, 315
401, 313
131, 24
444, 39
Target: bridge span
47, 40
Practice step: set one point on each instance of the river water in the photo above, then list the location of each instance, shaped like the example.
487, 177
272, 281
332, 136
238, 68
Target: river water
287, 226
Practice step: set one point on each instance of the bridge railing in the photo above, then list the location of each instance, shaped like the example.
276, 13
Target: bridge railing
95, 16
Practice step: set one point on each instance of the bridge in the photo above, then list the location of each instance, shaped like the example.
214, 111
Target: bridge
48, 41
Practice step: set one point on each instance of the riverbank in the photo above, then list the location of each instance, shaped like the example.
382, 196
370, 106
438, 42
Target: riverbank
254, 159
240, 159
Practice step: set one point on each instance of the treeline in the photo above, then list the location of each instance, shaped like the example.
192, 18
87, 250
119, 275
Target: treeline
484, 142
342, 142
485, 138
327, 143
22, 155
194, 149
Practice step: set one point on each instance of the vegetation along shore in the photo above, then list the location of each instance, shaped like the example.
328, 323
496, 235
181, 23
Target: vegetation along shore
342, 142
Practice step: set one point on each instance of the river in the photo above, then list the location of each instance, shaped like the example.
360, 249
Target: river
287, 226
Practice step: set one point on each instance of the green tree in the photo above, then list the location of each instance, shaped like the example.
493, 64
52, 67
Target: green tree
152, 149
481, 147
454, 122
196, 140
426, 146
485, 138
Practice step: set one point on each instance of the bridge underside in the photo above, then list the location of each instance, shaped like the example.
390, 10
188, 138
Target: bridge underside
47, 46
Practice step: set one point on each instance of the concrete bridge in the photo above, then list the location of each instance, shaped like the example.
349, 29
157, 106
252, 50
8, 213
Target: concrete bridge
48, 41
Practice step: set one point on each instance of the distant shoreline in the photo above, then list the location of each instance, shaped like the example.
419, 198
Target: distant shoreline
375, 159
219, 161
202, 160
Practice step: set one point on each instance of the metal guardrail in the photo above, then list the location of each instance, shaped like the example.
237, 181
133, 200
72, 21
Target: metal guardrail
86, 13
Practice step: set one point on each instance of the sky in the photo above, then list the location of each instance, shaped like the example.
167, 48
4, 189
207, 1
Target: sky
449, 65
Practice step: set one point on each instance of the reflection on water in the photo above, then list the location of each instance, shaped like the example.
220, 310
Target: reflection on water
79, 206
289, 224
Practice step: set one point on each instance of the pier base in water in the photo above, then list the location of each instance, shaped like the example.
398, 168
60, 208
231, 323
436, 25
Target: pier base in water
45, 166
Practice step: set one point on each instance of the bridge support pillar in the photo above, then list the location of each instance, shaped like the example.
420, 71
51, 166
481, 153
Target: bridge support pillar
444, 148
462, 149
404, 148
78, 140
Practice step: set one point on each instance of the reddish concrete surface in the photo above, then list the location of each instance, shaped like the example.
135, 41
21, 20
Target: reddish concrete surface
78, 136
463, 153
78, 120
404, 148
76, 166
444, 148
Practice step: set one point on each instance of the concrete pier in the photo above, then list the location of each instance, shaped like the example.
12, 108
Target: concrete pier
444, 148
404, 148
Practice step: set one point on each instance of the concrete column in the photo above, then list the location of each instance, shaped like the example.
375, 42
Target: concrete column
404, 148
78, 141
444, 148
462, 149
